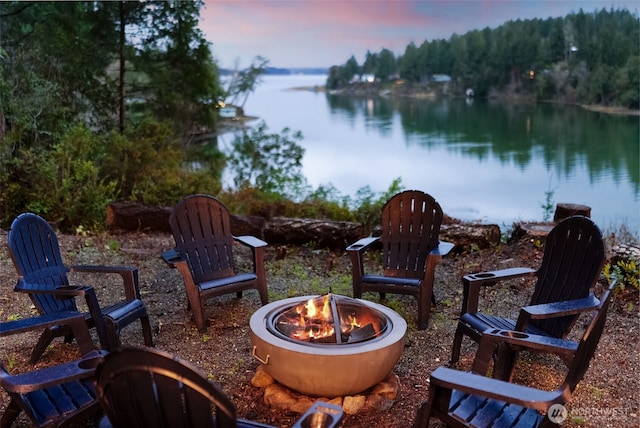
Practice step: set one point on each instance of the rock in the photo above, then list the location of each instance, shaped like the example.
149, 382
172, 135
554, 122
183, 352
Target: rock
388, 388
626, 252
278, 396
337, 401
261, 378
378, 403
353, 404
301, 405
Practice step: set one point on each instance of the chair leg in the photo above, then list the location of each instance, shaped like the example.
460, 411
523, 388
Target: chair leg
197, 307
10, 415
264, 294
457, 344
357, 291
425, 300
113, 333
45, 339
146, 331
504, 363
423, 415
239, 294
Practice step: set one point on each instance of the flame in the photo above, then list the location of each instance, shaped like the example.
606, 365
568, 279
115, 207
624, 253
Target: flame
313, 321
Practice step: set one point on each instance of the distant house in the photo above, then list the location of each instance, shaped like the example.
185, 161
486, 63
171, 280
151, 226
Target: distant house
440, 78
229, 112
368, 78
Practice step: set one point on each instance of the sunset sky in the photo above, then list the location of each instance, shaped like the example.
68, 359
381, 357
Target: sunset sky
322, 33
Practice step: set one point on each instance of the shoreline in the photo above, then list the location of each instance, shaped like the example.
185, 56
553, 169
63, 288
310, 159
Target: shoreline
620, 111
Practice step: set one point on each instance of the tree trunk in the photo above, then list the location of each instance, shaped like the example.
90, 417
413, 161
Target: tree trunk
567, 210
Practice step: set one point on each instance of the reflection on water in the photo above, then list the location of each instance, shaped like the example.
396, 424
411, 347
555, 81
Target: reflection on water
482, 161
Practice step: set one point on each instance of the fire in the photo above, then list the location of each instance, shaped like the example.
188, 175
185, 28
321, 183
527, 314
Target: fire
313, 321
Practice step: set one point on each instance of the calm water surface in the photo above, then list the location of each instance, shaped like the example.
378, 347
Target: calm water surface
482, 161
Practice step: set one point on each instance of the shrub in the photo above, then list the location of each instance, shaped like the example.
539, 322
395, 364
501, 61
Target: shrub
62, 183
625, 272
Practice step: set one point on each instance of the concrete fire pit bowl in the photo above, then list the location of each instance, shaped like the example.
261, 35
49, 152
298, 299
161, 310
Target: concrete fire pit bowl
326, 369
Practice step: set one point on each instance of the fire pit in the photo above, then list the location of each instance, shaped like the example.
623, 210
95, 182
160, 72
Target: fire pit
327, 346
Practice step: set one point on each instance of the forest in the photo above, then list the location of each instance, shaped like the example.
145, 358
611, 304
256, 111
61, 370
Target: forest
583, 58
99, 99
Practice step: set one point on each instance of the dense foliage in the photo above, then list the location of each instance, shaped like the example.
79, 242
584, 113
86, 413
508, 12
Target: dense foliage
591, 58
96, 99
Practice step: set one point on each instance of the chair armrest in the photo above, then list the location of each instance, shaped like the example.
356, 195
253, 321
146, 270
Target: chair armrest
129, 276
555, 310
490, 277
64, 292
251, 241
54, 375
23, 325
71, 291
492, 337
471, 284
363, 243
171, 256
442, 249
496, 389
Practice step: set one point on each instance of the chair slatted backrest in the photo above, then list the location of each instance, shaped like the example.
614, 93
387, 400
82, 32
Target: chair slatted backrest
201, 227
574, 255
151, 388
34, 249
410, 227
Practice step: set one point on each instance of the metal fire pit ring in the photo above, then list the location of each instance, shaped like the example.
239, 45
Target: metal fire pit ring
329, 370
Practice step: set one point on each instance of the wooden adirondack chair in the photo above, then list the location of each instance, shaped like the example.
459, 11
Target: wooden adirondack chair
34, 249
201, 227
574, 254
56, 395
151, 388
411, 250
464, 399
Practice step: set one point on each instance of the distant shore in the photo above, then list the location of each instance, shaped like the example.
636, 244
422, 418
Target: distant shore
421, 94
611, 110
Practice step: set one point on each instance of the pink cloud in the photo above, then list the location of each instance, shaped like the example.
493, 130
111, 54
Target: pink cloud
328, 32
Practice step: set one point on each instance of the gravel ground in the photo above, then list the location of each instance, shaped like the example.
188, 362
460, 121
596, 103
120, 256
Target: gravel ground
608, 396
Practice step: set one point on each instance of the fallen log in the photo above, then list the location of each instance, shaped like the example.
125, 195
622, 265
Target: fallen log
538, 231
135, 216
130, 216
468, 236
321, 233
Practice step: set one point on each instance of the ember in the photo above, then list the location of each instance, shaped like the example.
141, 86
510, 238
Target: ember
319, 318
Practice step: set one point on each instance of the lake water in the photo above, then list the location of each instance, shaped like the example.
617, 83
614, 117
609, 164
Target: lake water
482, 161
